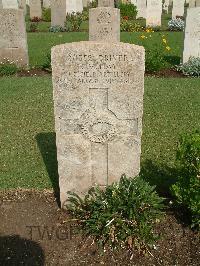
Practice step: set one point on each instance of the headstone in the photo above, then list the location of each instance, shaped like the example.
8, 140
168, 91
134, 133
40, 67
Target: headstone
46, 3
197, 3
141, 8
75, 6
178, 8
104, 24
35, 9
192, 3
98, 101
86, 3
154, 13
22, 4
166, 6
106, 3
1, 5
58, 12
10, 4
192, 34
13, 40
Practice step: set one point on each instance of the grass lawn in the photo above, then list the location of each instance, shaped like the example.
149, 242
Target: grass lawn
40, 43
27, 139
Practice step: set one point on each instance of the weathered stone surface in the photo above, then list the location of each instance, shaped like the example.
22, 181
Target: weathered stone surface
10, 4
178, 8
98, 103
142, 9
154, 12
106, 3
192, 34
35, 8
104, 24
13, 41
58, 12
75, 6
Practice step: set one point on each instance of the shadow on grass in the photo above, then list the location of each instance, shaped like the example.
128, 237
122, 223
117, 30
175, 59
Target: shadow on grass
163, 176
47, 145
15, 250
173, 60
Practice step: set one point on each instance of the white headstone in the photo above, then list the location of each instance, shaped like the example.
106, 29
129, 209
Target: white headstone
10, 4
141, 8
13, 40
75, 6
178, 8
35, 8
46, 3
154, 13
98, 105
58, 12
192, 34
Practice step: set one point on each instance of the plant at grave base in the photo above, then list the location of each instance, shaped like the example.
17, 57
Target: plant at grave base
153, 29
47, 62
93, 4
46, 14
8, 68
73, 22
128, 26
35, 19
57, 29
155, 56
187, 188
176, 25
128, 10
85, 14
33, 27
190, 68
124, 214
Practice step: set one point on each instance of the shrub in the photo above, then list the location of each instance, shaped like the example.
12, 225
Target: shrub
47, 63
46, 14
33, 27
93, 4
187, 187
124, 214
190, 68
8, 68
130, 26
176, 25
73, 22
57, 29
155, 59
128, 10
35, 19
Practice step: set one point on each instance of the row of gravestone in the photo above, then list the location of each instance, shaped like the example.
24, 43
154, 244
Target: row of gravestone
98, 97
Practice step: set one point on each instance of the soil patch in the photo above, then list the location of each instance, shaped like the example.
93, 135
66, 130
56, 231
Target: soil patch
34, 231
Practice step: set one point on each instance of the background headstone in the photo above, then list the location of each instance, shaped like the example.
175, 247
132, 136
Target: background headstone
13, 40
104, 24
10, 4
197, 3
106, 3
1, 5
141, 8
58, 12
192, 3
98, 105
178, 8
35, 8
75, 6
154, 13
22, 4
46, 3
192, 34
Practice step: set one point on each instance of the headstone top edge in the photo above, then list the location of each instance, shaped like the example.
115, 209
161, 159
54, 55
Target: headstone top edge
99, 43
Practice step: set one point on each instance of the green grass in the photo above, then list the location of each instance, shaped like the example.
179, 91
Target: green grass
39, 44
27, 140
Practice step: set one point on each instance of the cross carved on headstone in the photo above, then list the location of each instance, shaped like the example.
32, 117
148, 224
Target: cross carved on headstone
100, 125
